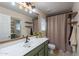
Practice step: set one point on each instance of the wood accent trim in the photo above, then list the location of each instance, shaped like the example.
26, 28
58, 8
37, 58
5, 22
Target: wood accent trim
2, 42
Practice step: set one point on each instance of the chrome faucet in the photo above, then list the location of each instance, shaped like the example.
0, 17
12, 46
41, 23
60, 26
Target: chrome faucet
27, 39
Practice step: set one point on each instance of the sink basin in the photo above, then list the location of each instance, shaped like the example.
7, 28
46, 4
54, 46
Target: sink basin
30, 43
27, 45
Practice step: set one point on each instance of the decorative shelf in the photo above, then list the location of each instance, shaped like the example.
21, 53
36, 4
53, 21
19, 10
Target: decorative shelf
29, 22
28, 26
73, 14
73, 22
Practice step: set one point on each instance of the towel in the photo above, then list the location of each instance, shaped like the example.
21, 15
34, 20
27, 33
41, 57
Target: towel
73, 38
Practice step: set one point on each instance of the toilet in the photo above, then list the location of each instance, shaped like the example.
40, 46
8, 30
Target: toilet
51, 48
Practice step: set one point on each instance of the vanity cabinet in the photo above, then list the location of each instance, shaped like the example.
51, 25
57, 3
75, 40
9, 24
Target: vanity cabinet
41, 50
46, 48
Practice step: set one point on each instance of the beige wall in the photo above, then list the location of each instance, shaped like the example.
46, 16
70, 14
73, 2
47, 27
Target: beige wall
76, 8
42, 23
23, 18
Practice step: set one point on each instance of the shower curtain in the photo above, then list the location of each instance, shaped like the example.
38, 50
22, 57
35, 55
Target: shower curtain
56, 31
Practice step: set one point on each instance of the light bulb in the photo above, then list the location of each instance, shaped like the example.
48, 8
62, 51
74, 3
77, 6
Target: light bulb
29, 7
30, 11
26, 10
34, 10
13, 3
20, 7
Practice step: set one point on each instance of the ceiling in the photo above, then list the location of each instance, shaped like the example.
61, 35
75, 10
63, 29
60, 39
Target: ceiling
54, 7
8, 5
46, 7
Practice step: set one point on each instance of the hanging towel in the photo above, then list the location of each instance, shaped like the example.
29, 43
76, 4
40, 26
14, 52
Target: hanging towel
73, 38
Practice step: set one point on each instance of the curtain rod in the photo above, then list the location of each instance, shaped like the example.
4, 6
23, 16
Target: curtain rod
73, 14
59, 13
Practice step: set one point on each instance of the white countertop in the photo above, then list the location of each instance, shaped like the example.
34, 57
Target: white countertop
21, 48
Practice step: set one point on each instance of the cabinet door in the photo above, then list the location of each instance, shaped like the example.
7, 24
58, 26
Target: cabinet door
32, 53
36, 54
46, 50
41, 52
36, 51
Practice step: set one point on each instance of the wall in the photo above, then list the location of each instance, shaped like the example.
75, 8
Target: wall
42, 23
76, 8
23, 18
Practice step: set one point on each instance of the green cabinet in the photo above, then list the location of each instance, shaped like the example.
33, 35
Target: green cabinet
41, 50
46, 48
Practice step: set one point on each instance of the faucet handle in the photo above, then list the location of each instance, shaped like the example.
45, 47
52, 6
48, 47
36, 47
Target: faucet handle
27, 39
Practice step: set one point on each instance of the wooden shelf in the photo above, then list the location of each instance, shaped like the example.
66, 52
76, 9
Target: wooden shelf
73, 14
28, 26
29, 22
73, 22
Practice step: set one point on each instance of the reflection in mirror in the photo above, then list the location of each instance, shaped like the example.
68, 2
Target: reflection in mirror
5, 27
15, 28
10, 27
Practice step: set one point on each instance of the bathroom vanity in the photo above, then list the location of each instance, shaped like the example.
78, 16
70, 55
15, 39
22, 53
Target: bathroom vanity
41, 50
35, 47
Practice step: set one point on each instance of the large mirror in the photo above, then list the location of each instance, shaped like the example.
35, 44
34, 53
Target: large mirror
12, 28
5, 27
15, 28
